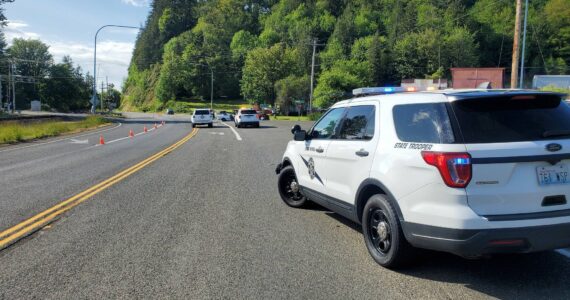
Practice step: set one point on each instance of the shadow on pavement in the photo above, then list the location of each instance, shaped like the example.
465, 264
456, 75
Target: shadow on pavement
543, 275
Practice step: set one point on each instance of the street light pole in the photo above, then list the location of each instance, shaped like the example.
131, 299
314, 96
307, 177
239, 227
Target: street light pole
94, 98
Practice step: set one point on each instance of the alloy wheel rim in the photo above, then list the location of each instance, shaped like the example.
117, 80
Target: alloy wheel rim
380, 231
290, 189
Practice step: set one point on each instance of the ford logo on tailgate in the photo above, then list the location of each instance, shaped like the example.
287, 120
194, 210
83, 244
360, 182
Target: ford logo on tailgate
553, 147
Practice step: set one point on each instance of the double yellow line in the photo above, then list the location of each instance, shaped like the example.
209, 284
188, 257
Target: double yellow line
25, 228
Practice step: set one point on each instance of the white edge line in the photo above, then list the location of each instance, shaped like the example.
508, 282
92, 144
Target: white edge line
565, 252
62, 139
235, 132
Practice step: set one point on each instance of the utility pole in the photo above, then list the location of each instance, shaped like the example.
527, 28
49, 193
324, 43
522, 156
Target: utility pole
521, 82
13, 87
102, 91
1, 109
516, 38
314, 44
8, 84
212, 90
107, 86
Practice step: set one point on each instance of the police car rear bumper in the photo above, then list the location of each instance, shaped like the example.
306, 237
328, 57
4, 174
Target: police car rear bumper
478, 242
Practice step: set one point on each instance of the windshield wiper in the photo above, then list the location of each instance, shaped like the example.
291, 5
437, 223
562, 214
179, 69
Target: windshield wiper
553, 133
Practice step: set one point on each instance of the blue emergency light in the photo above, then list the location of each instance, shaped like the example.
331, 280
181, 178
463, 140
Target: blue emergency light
380, 90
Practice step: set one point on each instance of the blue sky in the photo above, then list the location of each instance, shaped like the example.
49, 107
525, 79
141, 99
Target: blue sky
69, 26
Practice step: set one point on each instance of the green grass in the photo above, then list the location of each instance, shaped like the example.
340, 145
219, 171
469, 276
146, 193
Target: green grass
311, 117
291, 118
11, 132
551, 88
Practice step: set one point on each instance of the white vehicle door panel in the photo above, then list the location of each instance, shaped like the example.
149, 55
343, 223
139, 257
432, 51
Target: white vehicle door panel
349, 158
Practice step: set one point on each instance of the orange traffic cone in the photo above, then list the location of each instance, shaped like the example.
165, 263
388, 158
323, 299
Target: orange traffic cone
131, 134
145, 129
101, 140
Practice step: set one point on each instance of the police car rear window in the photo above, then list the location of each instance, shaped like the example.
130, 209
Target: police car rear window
423, 123
512, 118
201, 112
248, 112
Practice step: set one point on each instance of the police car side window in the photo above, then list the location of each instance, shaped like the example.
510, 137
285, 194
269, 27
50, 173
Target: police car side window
326, 127
358, 124
423, 123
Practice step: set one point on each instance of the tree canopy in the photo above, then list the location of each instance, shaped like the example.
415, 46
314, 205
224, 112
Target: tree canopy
255, 48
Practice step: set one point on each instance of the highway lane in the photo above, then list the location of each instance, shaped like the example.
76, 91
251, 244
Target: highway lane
37, 175
205, 221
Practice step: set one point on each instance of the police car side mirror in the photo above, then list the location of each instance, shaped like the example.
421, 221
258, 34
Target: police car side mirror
296, 128
300, 135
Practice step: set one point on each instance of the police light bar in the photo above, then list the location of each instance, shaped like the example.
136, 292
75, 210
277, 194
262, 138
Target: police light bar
381, 90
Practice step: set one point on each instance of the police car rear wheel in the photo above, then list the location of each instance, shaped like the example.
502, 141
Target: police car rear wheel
289, 188
383, 234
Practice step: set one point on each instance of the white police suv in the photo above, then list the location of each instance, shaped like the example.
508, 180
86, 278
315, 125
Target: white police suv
470, 172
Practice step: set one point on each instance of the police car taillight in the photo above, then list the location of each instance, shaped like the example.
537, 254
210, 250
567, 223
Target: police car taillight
455, 168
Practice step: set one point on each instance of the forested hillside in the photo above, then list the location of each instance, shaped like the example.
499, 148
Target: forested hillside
261, 50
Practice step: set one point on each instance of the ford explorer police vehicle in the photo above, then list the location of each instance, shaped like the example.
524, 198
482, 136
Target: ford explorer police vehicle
472, 172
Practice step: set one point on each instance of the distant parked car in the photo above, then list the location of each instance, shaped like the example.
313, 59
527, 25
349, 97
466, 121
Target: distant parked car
169, 111
262, 115
224, 116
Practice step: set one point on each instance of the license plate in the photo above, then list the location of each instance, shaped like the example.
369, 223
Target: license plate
552, 175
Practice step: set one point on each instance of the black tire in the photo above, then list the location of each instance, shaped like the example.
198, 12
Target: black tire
193, 125
387, 246
287, 190
210, 125
257, 125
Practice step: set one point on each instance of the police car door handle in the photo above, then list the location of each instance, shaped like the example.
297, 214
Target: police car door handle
320, 150
362, 153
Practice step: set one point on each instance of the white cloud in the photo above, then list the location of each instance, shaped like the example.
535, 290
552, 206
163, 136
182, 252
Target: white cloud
18, 29
137, 2
113, 57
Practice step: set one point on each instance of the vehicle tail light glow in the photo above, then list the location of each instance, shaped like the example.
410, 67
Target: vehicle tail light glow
410, 89
455, 168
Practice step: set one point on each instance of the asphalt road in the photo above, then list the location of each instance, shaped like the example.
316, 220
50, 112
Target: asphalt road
205, 221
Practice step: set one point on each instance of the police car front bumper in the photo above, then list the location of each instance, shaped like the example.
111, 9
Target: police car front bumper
479, 242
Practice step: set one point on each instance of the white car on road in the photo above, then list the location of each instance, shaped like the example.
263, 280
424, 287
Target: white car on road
224, 116
468, 172
246, 117
202, 117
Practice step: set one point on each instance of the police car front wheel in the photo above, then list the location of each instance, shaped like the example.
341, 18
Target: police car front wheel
383, 234
289, 189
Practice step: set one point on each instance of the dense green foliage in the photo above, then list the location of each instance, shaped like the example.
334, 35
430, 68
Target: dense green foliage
261, 49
